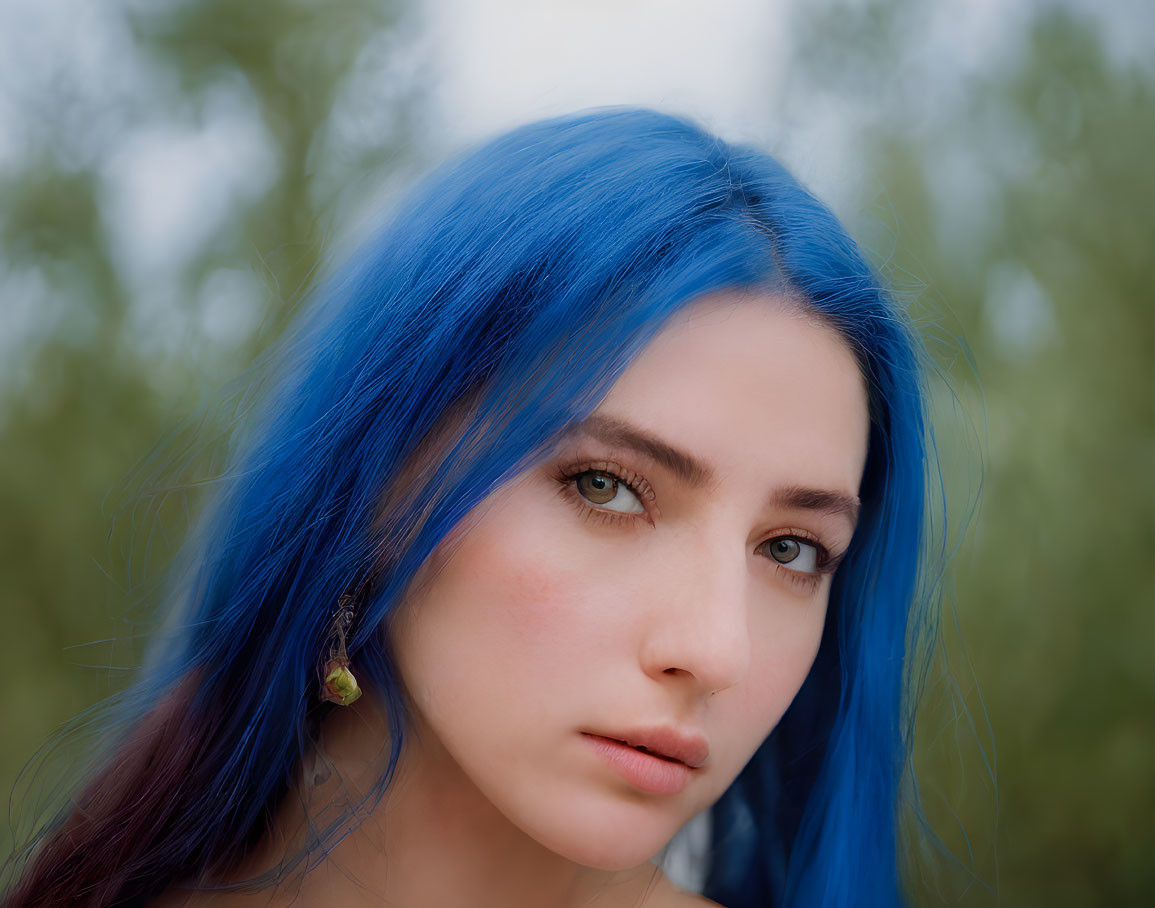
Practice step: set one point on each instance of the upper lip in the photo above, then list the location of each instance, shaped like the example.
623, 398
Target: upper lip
690, 748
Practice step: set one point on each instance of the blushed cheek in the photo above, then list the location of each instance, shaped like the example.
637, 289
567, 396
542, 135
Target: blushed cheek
531, 582
543, 601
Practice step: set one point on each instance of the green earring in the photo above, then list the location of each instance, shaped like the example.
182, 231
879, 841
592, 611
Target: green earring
340, 684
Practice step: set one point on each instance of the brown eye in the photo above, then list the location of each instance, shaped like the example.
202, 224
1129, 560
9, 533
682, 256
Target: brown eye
604, 490
801, 556
784, 550
597, 487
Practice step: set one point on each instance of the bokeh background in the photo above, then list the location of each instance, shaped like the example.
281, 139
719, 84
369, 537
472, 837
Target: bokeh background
175, 175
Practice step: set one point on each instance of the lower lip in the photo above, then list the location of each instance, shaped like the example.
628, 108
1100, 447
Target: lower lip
643, 771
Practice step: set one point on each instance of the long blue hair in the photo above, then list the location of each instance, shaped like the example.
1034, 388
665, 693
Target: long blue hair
493, 311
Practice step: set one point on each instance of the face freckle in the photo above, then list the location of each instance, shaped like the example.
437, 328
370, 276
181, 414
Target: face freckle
543, 627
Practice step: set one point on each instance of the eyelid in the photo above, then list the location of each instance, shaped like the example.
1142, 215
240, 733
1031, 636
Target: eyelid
827, 563
802, 580
636, 483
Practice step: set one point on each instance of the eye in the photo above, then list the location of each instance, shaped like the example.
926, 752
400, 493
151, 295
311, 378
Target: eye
607, 492
796, 554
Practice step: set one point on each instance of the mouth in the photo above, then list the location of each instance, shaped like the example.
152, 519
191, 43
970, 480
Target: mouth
641, 748
640, 766
666, 742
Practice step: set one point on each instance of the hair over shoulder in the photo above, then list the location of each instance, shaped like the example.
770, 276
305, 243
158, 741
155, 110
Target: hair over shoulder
495, 310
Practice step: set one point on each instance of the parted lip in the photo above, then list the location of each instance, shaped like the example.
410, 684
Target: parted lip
686, 747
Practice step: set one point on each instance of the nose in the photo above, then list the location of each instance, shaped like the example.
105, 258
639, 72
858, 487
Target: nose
698, 628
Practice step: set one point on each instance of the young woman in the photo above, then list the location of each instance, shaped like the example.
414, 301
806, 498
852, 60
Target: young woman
600, 474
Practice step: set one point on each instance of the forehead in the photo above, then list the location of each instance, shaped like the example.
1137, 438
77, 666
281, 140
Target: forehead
753, 384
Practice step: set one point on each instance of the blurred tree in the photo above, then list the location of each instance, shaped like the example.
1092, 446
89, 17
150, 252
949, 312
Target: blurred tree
1016, 183
86, 386
1017, 176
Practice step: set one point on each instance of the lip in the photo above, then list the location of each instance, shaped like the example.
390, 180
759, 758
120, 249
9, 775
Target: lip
672, 759
645, 771
686, 747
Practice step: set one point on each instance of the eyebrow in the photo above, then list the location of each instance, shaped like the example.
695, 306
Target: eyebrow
697, 473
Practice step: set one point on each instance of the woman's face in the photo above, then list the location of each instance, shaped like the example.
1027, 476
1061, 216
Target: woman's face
668, 567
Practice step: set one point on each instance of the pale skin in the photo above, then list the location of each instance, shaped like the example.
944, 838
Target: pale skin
571, 603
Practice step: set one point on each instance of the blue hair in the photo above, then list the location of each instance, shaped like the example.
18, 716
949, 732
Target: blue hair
494, 311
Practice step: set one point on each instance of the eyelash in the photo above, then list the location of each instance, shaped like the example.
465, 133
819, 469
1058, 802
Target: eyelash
635, 483
567, 476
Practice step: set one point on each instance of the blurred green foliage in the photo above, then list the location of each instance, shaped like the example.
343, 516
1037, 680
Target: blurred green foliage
1019, 195
1012, 212
105, 433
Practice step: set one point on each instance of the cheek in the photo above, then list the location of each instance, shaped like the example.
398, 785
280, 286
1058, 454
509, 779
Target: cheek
533, 594
785, 643
530, 587
510, 610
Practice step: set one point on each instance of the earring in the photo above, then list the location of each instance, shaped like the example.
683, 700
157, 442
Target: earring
340, 685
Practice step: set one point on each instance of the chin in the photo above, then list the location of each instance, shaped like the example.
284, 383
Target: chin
619, 835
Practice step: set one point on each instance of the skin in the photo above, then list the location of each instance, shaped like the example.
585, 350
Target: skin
546, 619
